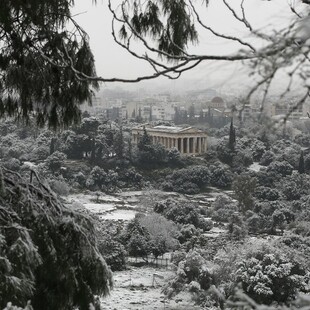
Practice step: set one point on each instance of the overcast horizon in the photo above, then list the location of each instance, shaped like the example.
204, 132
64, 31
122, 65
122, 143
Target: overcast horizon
113, 61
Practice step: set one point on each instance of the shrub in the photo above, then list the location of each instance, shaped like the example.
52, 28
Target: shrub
80, 179
267, 158
236, 228
187, 232
269, 274
182, 213
12, 164
280, 167
99, 179
113, 252
244, 186
267, 271
40, 153
266, 193
223, 208
55, 161
220, 176
301, 228
174, 157
136, 238
267, 207
60, 187
190, 180
242, 158
258, 223
163, 234
131, 177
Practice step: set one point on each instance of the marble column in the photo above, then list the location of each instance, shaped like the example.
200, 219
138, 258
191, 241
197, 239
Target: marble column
195, 145
200, 145
182, 146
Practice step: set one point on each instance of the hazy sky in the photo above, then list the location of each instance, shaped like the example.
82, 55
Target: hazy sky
112, 60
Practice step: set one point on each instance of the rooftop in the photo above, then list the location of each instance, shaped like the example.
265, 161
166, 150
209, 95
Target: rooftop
173, 129
168, 129
217, 100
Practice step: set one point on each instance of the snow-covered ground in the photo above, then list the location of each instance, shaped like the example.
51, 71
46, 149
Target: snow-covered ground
140, 289
125, 215
99, 207
255, 167
124, 205
108, 207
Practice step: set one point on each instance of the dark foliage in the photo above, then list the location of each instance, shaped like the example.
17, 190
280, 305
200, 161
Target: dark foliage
188, 180
49, 253
36, 60
182, 213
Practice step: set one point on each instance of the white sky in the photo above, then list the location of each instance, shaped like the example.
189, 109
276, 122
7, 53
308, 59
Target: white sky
113, 61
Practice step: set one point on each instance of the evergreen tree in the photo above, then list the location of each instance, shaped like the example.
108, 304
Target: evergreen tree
244, 187
129, 154
93, 150
301, 166
145, 141
151, 114
232, 136
184, 117
119, 144
50, 257
177, 116
191, 113
36, 75
52, 145
209, 117
201, 116
139, 116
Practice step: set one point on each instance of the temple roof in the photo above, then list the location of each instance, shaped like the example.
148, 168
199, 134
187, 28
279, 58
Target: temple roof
170, 129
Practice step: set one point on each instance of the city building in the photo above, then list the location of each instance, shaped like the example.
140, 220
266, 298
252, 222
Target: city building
188, 140
217, 103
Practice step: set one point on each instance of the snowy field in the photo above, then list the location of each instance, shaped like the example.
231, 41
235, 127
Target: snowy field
124, 205
140, 289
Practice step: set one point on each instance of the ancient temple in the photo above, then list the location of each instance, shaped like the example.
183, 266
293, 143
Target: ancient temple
188, 140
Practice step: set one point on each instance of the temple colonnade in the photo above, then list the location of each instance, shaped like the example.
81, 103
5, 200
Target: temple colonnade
195, 143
